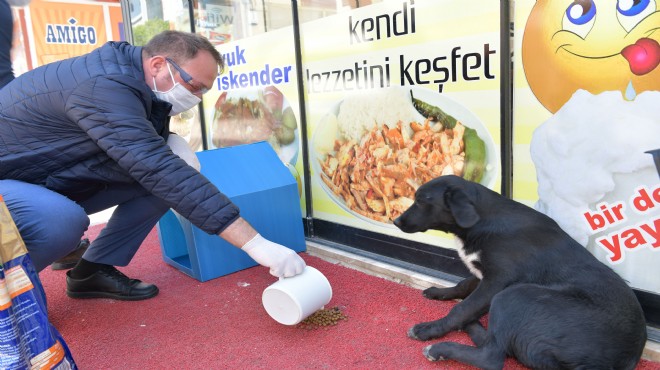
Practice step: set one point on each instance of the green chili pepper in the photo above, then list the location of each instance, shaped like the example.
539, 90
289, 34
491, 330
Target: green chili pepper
433, 113
475, 156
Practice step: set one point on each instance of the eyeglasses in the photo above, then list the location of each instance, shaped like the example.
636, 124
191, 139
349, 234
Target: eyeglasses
187, 78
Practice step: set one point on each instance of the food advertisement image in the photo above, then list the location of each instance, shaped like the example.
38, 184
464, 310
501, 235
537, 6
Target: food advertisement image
373, 151
250, 115
586, 124
256, 98
394, 101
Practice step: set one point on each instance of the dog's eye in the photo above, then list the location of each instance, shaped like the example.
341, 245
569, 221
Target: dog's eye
426, 199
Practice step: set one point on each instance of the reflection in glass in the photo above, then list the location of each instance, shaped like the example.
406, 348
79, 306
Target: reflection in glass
186, 124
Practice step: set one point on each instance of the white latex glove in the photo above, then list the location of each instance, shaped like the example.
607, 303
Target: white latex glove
282, 261
181, 148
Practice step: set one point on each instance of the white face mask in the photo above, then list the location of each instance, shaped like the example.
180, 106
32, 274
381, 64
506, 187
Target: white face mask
180, 98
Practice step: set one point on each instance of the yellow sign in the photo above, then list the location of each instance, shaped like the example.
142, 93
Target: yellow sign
61, 30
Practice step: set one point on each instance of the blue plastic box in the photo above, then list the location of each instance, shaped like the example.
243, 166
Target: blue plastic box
257, 181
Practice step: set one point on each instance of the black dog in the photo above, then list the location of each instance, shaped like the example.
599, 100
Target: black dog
551, 304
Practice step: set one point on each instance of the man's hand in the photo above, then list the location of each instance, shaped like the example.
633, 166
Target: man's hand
282, 261
181, 148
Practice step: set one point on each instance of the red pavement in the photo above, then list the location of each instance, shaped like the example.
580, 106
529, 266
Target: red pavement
221, 324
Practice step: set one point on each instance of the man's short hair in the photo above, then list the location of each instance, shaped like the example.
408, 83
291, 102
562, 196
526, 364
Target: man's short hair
181, 46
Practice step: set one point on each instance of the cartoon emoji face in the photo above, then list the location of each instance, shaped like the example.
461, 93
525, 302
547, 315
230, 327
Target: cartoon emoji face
595, 45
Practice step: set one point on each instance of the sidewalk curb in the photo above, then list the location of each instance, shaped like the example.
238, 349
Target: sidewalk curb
410, 278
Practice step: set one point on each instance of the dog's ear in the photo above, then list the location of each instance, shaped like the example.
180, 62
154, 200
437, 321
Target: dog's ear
461, 208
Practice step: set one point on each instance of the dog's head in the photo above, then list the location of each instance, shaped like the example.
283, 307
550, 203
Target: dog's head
440, 204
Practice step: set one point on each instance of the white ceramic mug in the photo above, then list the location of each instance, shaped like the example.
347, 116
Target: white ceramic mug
291, 300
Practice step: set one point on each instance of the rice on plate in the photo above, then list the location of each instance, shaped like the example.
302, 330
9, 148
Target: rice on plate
385, 106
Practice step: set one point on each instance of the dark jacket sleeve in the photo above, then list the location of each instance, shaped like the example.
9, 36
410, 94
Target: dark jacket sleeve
119, 125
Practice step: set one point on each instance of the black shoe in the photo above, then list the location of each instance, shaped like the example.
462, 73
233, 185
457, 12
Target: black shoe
70, 260
109, 283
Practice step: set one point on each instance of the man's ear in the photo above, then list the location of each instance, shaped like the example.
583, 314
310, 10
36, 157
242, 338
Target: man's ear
153, 65
462, 208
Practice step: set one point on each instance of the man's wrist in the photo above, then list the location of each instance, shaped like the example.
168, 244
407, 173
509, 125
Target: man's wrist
252, 243
238, 233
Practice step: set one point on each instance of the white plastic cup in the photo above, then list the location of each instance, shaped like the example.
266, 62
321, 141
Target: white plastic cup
291, 300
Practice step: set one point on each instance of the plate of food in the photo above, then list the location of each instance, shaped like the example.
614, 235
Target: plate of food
248, 116
372, 150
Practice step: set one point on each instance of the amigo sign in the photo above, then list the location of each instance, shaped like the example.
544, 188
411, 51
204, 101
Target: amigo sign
70, 33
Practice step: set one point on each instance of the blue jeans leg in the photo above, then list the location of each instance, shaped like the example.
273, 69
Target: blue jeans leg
50, 224
136, 215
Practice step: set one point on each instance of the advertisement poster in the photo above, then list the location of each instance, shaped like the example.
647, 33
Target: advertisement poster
256, 98
215, 22
56, 30
586, 115
372, 78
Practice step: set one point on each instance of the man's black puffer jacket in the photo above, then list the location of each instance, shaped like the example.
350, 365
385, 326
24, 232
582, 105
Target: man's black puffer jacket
76, 125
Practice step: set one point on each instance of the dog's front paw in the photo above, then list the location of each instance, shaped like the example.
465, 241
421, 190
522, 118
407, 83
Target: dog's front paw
429, 355
412, 333
423, 331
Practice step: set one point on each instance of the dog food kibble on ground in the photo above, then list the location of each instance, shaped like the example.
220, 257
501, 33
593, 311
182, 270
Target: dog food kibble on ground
323, 317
